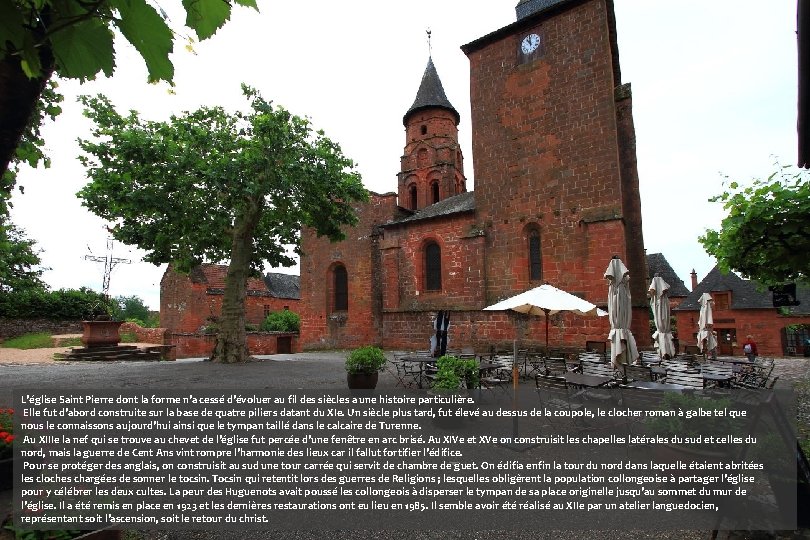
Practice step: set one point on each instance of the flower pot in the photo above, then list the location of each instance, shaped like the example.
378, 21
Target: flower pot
362, 381
101, 333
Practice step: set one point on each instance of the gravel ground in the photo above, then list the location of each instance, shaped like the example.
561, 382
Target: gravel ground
36, 369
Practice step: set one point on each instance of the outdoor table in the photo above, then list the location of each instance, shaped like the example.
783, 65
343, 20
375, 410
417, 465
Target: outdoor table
730, 360
716, 377
589, 381
652, 385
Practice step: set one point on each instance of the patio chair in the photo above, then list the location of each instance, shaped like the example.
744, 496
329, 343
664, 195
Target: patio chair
637, 373
718, 369
500, 376
690, 379
405, 372
555, 396
555, 366
535, 364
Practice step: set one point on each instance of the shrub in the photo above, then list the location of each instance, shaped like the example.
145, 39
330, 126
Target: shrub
452, 371
63, 304
282, 321
366, 359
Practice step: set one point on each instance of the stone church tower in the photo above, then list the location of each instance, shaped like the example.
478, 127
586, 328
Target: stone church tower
431, 167
556, 196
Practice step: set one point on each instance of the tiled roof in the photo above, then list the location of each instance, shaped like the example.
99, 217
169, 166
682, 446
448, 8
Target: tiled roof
464, 202
213, 276
430, 95
658, 264
745, 294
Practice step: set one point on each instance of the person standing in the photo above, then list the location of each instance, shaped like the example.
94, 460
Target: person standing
750, 348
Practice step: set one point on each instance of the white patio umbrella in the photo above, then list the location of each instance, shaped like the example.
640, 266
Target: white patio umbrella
546, 300
705, 323
659, 303
620, 313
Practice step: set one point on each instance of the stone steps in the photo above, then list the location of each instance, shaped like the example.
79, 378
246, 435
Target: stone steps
109, 353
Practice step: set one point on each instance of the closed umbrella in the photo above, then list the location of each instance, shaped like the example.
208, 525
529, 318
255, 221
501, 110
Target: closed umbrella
620, 314
659, 304
705, 324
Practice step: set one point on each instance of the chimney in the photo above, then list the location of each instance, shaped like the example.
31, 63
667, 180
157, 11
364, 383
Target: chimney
694, 279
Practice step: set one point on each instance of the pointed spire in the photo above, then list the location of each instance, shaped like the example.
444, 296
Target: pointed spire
430, 95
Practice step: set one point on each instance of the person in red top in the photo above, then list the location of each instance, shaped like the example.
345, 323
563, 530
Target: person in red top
750, 348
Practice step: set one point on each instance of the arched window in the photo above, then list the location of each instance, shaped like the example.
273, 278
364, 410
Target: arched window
535, 260
433, 267
341, 288
434, 192
412, 195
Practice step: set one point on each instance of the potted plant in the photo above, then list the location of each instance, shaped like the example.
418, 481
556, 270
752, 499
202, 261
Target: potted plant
454, 373
363, 366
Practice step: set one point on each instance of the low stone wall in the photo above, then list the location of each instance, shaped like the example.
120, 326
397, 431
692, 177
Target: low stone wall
10, 328
159, 336
201, 345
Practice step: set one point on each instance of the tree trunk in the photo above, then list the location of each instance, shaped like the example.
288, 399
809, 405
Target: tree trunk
18, 99
231, 344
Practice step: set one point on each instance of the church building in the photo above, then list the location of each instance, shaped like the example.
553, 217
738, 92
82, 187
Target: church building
556, 196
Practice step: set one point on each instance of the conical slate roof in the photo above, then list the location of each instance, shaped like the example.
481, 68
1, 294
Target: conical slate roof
430, 95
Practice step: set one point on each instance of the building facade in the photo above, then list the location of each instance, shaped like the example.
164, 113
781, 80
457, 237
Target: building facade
556, 196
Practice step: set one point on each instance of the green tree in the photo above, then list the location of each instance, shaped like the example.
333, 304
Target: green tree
765, 234
130, 307
215, 186
74, 39
20, 265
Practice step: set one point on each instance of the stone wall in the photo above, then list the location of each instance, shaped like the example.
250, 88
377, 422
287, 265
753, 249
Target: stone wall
10, 328
201, 345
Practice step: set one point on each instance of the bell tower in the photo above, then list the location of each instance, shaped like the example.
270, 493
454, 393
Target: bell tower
432, 167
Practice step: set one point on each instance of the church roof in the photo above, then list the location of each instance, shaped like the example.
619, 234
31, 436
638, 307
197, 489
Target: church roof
430, 95
456, 204
273, 284
745, 294
658, 264
283, 285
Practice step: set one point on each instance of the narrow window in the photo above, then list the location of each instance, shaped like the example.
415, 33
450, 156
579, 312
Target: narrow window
341, 288
434, 192
535, 262
423, 130
412, 193
433, 267
266, 310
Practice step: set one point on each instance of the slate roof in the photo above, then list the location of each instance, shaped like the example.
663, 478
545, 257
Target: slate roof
744, 293
283, 285
525, 8
430, 95
658, 264
465, 202
273, 284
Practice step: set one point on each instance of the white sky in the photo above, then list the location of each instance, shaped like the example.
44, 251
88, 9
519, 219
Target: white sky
714, 94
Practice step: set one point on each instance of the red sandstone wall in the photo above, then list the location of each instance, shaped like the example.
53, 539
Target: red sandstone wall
462, 255
765, 325
201, 345
482, 330
545, 152
159, 336
186, 307
360, 324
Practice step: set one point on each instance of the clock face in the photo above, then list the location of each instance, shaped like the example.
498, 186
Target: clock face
530, 43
